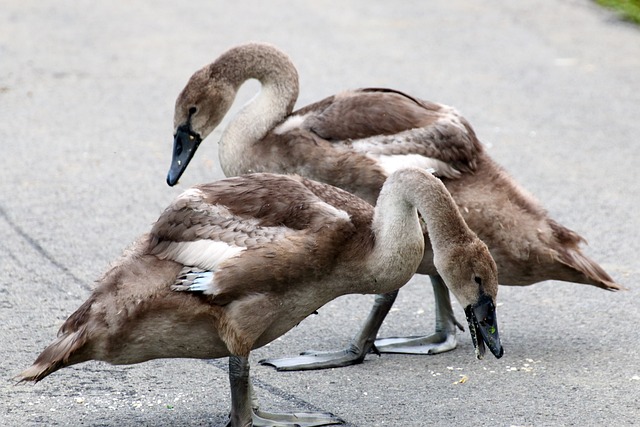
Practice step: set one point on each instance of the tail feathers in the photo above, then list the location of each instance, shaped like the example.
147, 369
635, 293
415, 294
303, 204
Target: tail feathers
571, 256
62, 352
591, 270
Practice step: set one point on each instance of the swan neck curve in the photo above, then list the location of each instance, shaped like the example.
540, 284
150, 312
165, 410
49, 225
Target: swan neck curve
278, 93
396, 223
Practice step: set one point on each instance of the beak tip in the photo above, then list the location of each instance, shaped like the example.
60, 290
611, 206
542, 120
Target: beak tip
185, 144
483, 326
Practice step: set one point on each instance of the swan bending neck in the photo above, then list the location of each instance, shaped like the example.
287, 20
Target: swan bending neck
278, 94
399, 235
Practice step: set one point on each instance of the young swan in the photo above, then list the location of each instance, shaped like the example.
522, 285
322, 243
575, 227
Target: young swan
232, 265
354, 140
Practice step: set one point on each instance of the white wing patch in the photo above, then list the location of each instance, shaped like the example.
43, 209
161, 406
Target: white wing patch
194, 280
191, 193
366, 145
339, 213
393, 152
205, 254
291, 123
394, 162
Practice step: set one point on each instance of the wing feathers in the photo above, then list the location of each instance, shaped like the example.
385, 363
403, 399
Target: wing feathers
383, 122
206, 254
195, 280
253, 233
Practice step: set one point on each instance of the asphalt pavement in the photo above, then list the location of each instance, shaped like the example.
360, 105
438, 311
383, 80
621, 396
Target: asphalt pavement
86, 108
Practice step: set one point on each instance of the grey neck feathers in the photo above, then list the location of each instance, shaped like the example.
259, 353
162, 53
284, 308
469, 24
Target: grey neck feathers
279, 92
445, 225
396, 223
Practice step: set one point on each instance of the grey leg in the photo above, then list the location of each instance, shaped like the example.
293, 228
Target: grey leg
444, 338
241, 401
245, 411
354, 354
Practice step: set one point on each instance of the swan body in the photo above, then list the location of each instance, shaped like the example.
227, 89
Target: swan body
232, 265
354, 140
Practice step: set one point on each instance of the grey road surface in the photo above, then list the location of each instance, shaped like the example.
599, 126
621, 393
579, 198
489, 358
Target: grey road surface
86, 103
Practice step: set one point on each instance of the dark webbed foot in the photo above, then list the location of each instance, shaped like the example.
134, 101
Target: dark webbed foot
432, 344
310, 360
300, 419
444, 339
353, 355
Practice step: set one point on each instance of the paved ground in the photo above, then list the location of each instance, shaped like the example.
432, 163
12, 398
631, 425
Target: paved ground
86, 99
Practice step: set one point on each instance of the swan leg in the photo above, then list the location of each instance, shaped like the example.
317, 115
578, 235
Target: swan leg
444, 338
245, 411
241, 396
353, 355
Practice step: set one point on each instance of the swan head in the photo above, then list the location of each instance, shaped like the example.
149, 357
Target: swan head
471, 274
199, 109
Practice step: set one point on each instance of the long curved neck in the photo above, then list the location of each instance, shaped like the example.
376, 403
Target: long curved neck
279, 92
397, 226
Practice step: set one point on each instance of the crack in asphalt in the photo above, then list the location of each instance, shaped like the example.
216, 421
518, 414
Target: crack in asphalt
41, 251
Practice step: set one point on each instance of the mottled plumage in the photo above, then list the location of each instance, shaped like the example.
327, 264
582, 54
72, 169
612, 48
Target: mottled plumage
354, 140
287, 232
299, 243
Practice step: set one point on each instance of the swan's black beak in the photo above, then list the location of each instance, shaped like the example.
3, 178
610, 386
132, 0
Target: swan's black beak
483, 325
185, 144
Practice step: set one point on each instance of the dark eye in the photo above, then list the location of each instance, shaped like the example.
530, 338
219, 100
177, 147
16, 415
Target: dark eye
478, 280
192, 111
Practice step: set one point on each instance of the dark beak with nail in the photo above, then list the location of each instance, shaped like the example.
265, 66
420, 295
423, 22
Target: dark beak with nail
483, 325
185, 144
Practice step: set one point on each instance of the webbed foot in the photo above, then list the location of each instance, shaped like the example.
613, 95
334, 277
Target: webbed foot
300, 419
444, 339
309, 360
439, 342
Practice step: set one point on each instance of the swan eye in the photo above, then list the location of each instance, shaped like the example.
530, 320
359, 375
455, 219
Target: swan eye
192, 111
478, 280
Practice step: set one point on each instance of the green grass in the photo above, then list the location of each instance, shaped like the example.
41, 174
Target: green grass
630, 9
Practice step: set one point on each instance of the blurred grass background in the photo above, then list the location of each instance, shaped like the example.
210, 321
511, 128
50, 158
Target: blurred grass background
629, 9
